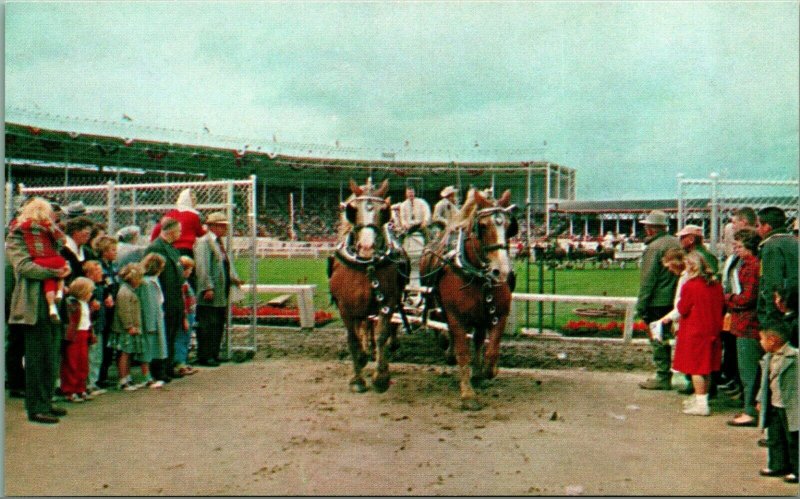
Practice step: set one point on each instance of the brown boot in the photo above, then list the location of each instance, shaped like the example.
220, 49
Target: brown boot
656, 384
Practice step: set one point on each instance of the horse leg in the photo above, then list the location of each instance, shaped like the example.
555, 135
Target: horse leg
380, 380
359, 356
446, 342
479, 344
493, 348
459, 337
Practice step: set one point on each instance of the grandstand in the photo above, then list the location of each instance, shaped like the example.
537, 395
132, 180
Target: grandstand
317, 176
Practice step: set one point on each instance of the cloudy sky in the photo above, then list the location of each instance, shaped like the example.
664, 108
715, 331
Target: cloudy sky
627, 93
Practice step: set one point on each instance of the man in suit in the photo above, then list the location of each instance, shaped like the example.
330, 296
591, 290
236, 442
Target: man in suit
215, 276
171, 280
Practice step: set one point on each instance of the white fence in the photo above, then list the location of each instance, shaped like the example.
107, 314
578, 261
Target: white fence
270, 247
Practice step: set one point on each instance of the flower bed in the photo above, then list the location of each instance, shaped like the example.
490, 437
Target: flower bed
611, 329
279, 316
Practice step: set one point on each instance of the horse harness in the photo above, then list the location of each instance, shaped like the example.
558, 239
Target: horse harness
456, 259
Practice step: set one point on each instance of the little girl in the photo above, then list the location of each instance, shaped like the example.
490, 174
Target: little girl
43, 237
126, 328
75, 362
152, 299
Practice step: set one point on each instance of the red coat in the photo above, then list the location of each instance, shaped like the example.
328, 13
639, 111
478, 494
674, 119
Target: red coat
191, 228
744, 320
698, 347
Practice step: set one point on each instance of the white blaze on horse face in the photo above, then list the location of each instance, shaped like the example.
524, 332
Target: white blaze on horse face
499, 259
367, 215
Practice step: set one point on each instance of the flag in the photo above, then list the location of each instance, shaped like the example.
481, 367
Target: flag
206, 129
125, 117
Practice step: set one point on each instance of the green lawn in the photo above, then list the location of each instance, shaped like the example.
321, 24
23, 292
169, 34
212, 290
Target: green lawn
595, 282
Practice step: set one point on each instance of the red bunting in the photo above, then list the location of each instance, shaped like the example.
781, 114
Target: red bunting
35, 130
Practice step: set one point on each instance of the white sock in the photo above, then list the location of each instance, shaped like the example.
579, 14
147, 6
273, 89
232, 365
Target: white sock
702, 399
60, 294
53, 309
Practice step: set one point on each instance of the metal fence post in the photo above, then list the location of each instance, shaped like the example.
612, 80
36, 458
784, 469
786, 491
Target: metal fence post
714, 236
9, 202
253, 261
229, 205
111, 201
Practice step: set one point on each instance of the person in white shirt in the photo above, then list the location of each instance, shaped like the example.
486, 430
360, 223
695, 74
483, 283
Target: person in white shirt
415, 215
445, 211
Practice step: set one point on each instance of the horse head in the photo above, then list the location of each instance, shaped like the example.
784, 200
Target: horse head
489, 225
367, 211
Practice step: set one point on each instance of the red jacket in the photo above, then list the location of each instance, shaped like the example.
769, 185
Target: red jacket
699, 348
191, 228
41, 238
742, 306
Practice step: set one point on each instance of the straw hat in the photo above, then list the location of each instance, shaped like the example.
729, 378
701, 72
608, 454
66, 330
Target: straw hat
656, 217
217, 218
448, 190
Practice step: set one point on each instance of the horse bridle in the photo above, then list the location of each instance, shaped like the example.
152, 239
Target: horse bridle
486, 212
379, 232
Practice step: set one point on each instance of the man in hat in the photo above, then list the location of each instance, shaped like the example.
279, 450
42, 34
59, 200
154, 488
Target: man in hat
171, 281
656, 293
445, 211
75, 209
691, 239
215, 276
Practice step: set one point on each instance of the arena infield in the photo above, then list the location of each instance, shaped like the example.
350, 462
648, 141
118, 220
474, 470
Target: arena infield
289, 426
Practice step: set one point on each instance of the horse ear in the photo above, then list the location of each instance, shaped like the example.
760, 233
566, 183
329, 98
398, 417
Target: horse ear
505, 199
388, 202
355, 188
481, 200
350, 213
382, 189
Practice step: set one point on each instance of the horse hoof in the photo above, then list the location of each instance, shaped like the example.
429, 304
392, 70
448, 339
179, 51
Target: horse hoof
358, 386
381, 383
470, 405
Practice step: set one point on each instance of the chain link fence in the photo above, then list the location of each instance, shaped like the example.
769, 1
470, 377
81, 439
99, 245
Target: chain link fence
710, 203
143, 205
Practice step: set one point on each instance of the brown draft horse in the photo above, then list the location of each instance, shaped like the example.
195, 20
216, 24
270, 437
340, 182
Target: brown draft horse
366, 283
473, 281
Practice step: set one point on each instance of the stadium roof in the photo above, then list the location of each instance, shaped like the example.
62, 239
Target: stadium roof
27, 145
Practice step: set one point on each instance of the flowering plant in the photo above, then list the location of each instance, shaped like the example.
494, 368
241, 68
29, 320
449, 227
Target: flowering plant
611, 329
279, 316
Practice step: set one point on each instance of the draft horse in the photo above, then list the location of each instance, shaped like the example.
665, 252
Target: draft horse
366, 282
471, 274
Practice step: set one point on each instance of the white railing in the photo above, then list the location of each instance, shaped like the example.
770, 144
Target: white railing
269, 247
305, 298
628, 302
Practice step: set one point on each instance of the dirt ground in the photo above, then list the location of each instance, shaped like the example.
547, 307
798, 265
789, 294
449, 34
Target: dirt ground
288, 426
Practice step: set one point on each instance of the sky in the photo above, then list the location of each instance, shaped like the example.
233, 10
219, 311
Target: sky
629, 94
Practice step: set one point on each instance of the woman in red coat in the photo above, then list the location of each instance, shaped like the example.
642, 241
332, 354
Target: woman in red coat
698, 349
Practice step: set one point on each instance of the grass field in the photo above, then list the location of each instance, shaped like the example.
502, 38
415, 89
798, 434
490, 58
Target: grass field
594, 282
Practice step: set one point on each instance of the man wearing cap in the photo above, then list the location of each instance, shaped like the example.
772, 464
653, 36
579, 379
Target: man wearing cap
778, 253
656, 293
445, 211
215, 275
73, 210
129, 250
171, 281
691, 239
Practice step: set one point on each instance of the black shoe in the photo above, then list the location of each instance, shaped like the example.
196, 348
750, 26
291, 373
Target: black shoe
43, 418
762, 442
57, 411
16, 394
687, 390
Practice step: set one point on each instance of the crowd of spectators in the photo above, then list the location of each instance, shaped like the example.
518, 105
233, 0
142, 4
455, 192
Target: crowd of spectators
734, 328
79, 301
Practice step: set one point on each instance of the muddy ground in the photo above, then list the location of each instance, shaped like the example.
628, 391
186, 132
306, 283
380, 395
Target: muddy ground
285, 424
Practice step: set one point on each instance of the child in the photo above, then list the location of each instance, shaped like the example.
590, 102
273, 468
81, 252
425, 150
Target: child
183, 338
94, 272
42, 237
786, 303
698, 350
778, 402
75, 363
126, 328
152, 300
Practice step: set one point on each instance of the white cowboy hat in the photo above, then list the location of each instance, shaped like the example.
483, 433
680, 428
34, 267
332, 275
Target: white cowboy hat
448, 190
